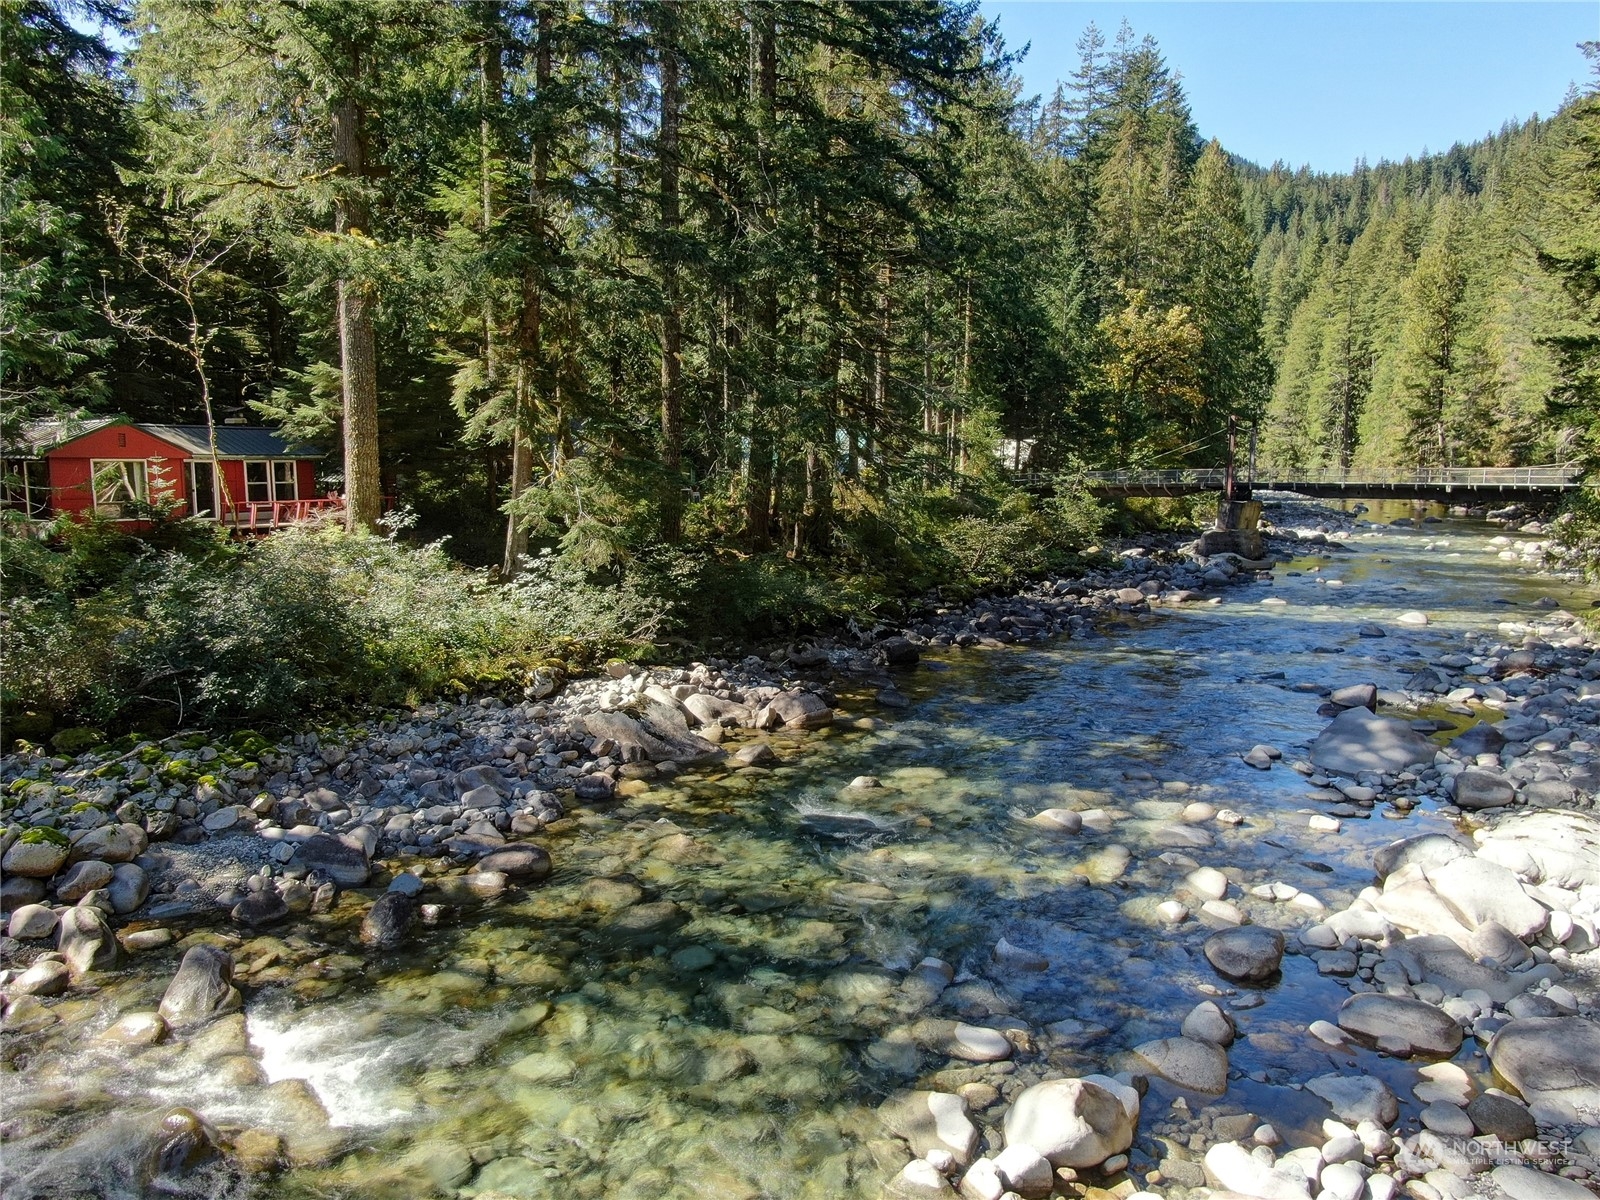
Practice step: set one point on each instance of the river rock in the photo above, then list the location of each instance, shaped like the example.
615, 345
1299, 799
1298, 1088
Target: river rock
1482, 738
1207, 1022
796, 710
47, 977
1356, 695
1024, 1171
345, 865
1558, 848
1501, 1117
1481, 789
1358, 740
135, 1029
387, 921
86, 942
302, 1122
257, 909
1400, 1025
201, 989
32, 921
661, 735
1232, 1168
1189, 1063
756, 754
1062, 820
1482, 891
1208, 883
111, 843
1074, 1122
646, 919
1554, 1062
1248, 953
482, 776
918, 1180
709, 710
34, 860
1357, 1098
1524, 1183
1549, 793
1428, 851
527, 864
129, 888
929, 1121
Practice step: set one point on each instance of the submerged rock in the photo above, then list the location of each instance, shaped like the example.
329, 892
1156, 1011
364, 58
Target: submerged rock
388, 920
1188, 1062
929, 1121
201, 989
1249, 953
1358, 740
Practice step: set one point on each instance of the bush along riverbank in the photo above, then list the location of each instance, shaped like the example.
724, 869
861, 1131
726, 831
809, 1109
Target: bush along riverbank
369, 835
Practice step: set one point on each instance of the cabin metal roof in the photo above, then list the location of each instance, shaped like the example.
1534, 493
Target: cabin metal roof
233, 441
38, 438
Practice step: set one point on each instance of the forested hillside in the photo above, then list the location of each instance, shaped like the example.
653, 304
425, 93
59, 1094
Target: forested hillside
786, 278
1406, 308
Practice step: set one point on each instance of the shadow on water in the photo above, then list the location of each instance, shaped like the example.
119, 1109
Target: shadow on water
706, 996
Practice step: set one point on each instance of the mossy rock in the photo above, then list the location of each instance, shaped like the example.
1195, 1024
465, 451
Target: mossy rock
76, 740
39, 835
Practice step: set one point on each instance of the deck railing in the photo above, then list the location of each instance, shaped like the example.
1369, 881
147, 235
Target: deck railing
262, 515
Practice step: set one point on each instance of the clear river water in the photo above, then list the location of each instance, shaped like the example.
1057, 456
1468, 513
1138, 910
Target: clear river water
738, 1044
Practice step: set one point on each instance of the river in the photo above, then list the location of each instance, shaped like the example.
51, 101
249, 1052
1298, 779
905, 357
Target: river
739, 1044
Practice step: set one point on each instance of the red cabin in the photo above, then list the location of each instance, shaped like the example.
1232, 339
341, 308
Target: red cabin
255, 481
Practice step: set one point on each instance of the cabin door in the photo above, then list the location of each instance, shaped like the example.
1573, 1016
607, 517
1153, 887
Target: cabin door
203, 488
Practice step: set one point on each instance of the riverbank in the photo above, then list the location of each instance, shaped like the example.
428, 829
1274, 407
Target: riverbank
643, 869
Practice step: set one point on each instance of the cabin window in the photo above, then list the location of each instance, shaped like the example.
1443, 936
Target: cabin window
119, 481
270, 479
258, 481
25, 486
284, 481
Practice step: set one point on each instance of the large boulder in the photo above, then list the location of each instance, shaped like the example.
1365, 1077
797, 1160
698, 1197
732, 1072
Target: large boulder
661, 736
1559, 848
1358, 740
1554, 1062
1482, 891
38, 859
1248, 953
711, 710
931, 1121
1400, 1025
1427, 851
111, 843
86, 942
201, 989
1074, 1122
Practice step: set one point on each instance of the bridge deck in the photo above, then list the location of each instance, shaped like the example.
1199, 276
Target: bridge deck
1432, 483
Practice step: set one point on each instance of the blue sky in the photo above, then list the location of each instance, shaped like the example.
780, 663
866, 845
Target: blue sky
1324, 83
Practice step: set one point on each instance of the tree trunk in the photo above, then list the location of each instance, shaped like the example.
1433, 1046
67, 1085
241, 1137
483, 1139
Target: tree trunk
671, 317
530, 323
358, 339
758, 478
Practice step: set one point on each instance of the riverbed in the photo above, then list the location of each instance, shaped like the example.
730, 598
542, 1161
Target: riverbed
708, 997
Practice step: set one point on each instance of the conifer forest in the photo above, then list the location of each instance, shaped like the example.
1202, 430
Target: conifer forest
787, 289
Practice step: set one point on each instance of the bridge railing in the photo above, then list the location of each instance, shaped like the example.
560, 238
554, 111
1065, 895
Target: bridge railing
1561, 475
